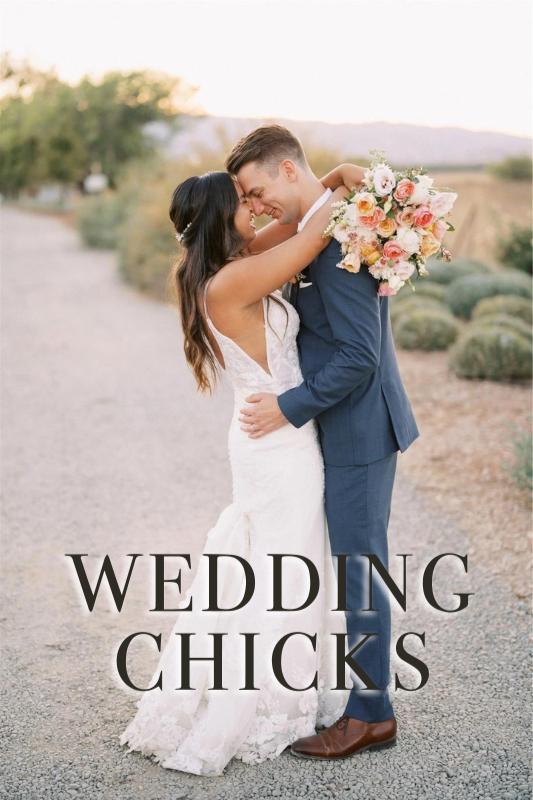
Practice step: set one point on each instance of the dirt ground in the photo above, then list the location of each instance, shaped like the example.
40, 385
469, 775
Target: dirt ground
458, 460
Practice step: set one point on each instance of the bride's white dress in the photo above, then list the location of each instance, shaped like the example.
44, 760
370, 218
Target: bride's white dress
277, 507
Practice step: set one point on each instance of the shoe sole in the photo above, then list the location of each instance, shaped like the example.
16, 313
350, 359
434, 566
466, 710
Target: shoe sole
377, 746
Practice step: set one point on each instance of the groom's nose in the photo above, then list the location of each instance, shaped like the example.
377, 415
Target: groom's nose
257, 207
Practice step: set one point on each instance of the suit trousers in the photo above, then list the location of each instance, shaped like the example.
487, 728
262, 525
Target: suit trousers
358, 505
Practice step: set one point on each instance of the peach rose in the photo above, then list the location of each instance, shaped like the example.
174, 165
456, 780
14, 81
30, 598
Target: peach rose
404, 189
430, 244
387, 227
372, 221
365, 203
372, 257
393, 250
351, 262
423, 217
405, 217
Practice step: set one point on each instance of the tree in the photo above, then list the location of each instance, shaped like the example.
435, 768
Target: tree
52, 131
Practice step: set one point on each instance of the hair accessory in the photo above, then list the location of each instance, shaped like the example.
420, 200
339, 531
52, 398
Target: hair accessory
179, 236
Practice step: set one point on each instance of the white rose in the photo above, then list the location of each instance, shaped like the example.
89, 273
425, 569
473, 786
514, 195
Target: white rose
365, 233
441, 203
384, 181
409, 240
404, 269
421, 193
351, 215
340, 233
395, 282
381, 272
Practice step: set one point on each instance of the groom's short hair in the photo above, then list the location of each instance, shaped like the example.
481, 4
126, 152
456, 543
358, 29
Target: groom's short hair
267, 145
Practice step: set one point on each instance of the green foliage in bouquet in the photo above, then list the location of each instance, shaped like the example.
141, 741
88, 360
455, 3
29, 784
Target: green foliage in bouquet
503, 322
510, 305
426, 329
515, 250
495, 354
464, 293
443, 273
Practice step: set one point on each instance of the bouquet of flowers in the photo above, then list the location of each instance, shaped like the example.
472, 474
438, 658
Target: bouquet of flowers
392, 224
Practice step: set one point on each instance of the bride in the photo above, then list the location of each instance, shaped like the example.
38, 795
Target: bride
234, 318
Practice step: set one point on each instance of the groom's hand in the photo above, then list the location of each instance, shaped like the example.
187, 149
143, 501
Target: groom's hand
264, 417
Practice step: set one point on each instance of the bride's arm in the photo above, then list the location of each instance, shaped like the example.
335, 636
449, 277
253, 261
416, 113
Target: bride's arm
272, 235
246, 280
349, 175
346, 174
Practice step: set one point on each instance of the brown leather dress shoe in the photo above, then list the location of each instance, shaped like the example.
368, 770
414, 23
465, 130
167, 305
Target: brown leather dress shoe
345, 737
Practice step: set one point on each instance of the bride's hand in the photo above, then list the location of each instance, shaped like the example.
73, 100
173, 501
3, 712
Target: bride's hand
348, 174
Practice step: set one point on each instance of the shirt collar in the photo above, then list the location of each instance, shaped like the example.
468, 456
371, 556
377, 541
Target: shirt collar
320, 202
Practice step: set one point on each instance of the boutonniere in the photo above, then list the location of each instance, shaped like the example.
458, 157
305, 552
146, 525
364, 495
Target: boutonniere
301, 276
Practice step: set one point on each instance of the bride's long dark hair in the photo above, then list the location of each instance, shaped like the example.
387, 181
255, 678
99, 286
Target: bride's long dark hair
203, 209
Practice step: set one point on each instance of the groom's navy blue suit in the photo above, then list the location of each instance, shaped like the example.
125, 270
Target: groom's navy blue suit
352, 387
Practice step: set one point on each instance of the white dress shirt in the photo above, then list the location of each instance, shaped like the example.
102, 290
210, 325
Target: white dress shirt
320, 202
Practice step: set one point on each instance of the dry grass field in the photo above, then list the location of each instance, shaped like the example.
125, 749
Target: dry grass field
484, 210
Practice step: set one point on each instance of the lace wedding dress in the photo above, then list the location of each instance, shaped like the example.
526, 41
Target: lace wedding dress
277, 508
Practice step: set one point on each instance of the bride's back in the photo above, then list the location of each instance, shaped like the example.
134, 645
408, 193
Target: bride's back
262, 354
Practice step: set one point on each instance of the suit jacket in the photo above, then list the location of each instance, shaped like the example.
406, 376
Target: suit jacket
352, 385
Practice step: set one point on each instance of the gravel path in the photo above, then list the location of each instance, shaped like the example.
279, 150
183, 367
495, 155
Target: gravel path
108, 450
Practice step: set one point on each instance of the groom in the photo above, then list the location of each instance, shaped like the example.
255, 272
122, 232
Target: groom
352, 387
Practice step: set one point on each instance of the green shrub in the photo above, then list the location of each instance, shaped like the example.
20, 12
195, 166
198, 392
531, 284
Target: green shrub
423, 288
508, 304
427, 329
464, 293
498, 355
503, 321
514, 168
442, 272
522, 469
515, 250
98, 219
147, 246
413, 302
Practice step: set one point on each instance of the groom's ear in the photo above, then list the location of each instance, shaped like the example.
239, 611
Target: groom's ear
288, 168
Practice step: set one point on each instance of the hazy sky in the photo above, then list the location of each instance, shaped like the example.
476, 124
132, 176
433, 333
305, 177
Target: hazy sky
433, 62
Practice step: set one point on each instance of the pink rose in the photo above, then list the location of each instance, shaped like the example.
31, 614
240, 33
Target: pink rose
372, 221
423, 216
439, 229
385, 290
392, 249
404, 189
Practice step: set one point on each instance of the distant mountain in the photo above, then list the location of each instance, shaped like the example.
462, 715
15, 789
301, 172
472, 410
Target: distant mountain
416, 145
